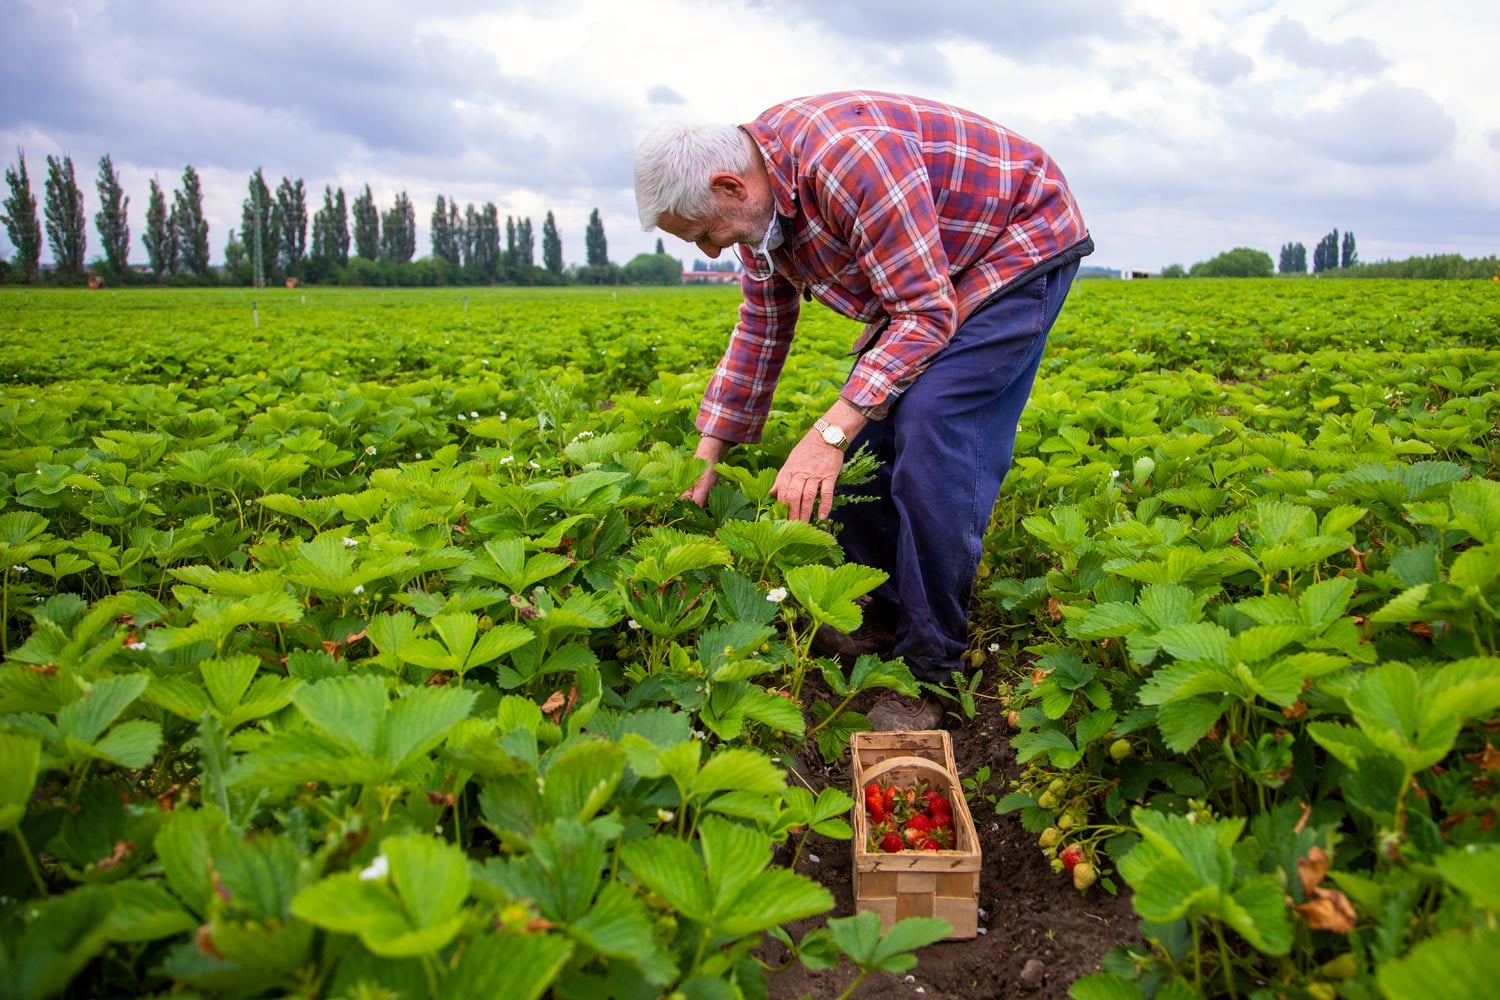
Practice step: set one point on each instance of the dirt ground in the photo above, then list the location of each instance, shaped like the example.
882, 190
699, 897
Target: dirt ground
1028, 914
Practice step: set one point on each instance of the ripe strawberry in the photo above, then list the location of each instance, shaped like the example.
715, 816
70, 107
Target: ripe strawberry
937, 800
1072, 857
891, 843
931, 845
1084, 875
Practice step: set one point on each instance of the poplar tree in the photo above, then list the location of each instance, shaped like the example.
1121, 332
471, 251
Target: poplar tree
340, 228
1293, 259
526, 245
330, 230
158, 236
65, 217
1349, 256
444, 241
398, 238
487, 242
21, 221
366, 226
509, 260
291, 207
471, 235
189, 224
261, 218
596, 248
552, 257
112, 219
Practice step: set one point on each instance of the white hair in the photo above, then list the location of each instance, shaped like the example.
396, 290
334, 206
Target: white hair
673, 165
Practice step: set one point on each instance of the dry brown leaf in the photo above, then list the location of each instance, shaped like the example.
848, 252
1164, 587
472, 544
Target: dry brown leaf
1329, 910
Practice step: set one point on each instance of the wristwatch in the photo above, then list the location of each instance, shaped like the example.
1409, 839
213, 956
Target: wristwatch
831, 433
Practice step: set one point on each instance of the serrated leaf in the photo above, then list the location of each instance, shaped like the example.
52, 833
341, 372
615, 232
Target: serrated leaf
670, 868
738, 768
1463, 964
580, 779
419, 721
827, 595
349, 710
514, 966
87, 716
20, 757
131, 744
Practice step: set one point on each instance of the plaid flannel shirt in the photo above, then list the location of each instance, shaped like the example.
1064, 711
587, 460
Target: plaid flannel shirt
903, 213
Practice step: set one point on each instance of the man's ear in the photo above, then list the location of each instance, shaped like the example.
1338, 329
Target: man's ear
729, 185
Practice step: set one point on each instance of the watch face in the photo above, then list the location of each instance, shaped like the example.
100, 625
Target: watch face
833, 436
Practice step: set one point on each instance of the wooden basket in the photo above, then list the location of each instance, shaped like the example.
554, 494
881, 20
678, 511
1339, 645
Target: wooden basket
915, 883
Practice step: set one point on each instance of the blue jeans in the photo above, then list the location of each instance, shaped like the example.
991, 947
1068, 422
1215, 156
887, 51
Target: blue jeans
944, 449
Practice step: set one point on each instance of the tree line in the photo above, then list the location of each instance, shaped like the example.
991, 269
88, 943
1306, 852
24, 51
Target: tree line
272, 245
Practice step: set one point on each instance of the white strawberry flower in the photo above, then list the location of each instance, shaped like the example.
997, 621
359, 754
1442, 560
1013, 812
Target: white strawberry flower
777, 595
376, 870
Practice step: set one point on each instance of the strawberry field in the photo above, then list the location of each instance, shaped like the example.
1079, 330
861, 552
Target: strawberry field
358, 644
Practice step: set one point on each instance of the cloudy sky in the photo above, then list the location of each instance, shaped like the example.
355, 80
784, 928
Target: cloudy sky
1186, 128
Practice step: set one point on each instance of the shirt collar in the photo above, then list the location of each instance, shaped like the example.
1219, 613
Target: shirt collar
780, 167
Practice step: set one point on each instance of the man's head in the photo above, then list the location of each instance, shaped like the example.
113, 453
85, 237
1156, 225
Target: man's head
704, 184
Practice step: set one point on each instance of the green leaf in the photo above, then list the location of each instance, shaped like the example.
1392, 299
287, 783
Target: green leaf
130, 744
1475, 871
349, 710
514, 966
670, 868
828, 594
145, 911
892, 954
86, 717
1197, 641
227, 679
1458, 966
1104, 986
432, 878
20, 757
61, 936
581, 778
738, 768
774, 897
1184, 723
420, 720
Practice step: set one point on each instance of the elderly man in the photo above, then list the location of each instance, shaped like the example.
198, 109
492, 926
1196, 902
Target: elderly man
955, 240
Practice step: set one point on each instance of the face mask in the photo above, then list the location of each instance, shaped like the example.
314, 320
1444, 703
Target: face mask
774, 238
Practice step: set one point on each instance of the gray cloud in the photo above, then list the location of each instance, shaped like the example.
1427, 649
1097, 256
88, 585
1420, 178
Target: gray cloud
1291, 40
662, 94
1024, 32
1219, 65
1383, 125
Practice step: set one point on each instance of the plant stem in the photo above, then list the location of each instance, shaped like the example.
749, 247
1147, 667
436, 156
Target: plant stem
1224, 964
36, 873
854, 985
831, 715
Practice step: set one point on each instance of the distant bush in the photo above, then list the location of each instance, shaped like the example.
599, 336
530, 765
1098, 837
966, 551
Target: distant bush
1241, 262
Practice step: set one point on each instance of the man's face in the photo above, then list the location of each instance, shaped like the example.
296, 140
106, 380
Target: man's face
732, 220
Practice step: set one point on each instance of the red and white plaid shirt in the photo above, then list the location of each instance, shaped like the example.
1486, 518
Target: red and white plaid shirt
905, 214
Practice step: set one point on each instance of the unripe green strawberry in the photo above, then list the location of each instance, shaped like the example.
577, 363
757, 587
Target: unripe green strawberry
1342, 967
1047, 800
1067, 821
1058, 787
1120, 749
1049, 837
1084, 875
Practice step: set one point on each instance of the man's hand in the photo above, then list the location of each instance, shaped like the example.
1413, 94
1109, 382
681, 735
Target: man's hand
806, 481
711, 450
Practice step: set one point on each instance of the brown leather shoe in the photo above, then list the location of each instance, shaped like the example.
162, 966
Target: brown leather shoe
846, 647
894, 712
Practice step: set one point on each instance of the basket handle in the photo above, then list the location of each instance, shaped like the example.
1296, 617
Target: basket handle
892, 763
